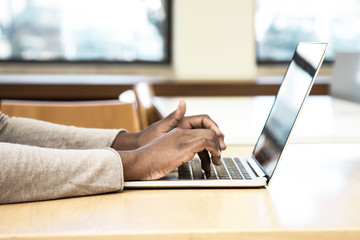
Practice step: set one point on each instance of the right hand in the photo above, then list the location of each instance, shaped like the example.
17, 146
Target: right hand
161, 156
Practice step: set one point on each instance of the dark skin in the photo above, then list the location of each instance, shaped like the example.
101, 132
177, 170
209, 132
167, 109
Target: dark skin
165, 145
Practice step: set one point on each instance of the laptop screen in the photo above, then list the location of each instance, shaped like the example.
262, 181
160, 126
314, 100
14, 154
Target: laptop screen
294, 89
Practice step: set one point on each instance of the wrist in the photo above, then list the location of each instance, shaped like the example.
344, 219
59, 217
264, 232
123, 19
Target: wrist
125, 141
131, 168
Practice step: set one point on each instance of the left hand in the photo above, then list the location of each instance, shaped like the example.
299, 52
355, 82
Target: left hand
177, 119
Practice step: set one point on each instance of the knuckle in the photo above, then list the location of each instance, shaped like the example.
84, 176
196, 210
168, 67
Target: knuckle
211, 133
205, 116
204, 141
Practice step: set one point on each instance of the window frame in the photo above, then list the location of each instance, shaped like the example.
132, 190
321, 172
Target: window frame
274, 62
166, 61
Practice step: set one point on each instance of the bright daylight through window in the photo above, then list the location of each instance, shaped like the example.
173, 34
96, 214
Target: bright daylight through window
82, 30
281, 24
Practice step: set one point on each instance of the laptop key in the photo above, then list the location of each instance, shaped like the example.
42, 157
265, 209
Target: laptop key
212, 173
196, 169
184, 171
221, 172
242, 168
233, 170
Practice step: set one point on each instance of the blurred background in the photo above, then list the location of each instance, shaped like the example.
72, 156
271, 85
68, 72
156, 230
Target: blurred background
179, 40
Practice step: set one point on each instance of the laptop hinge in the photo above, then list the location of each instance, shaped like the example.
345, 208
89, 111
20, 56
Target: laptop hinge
255, 167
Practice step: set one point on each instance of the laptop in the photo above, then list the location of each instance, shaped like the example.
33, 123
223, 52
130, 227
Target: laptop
258, 169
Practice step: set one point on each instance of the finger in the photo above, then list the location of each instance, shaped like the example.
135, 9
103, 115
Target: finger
205, 160
177, 116
206, 140
222, 142
180, 111
215, 156
203, 121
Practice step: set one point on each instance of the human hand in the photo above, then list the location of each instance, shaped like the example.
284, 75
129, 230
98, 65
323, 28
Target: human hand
161, 156
129, 141
177, 119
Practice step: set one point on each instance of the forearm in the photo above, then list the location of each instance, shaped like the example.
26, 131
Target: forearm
34, 173
43, 134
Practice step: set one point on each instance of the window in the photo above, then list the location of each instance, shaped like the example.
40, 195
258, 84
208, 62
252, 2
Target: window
85, 31
281, 24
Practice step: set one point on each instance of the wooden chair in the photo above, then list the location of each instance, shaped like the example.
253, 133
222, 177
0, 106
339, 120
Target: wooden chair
148, 112
142, 96
92, 114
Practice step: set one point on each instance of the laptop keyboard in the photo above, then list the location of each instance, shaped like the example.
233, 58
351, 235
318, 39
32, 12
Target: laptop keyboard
231, 168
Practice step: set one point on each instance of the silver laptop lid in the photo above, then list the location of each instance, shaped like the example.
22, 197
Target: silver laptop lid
295, 88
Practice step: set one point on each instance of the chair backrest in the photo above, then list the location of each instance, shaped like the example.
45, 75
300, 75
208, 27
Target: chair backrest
148, 112
92, 114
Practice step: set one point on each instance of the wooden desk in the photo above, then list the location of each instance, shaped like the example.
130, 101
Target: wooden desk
301, 203
323, 119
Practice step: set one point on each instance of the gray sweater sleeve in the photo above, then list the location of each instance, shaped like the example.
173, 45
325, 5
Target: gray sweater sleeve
40, 161
44, 134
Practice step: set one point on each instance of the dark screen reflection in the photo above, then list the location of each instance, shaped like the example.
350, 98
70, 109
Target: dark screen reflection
294, 89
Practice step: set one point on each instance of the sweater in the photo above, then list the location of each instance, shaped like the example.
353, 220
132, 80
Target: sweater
41, 161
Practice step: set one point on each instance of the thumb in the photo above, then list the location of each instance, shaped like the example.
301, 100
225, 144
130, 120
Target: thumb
177, 115
180, 111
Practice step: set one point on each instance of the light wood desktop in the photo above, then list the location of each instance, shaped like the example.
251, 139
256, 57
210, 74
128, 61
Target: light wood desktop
315, 194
